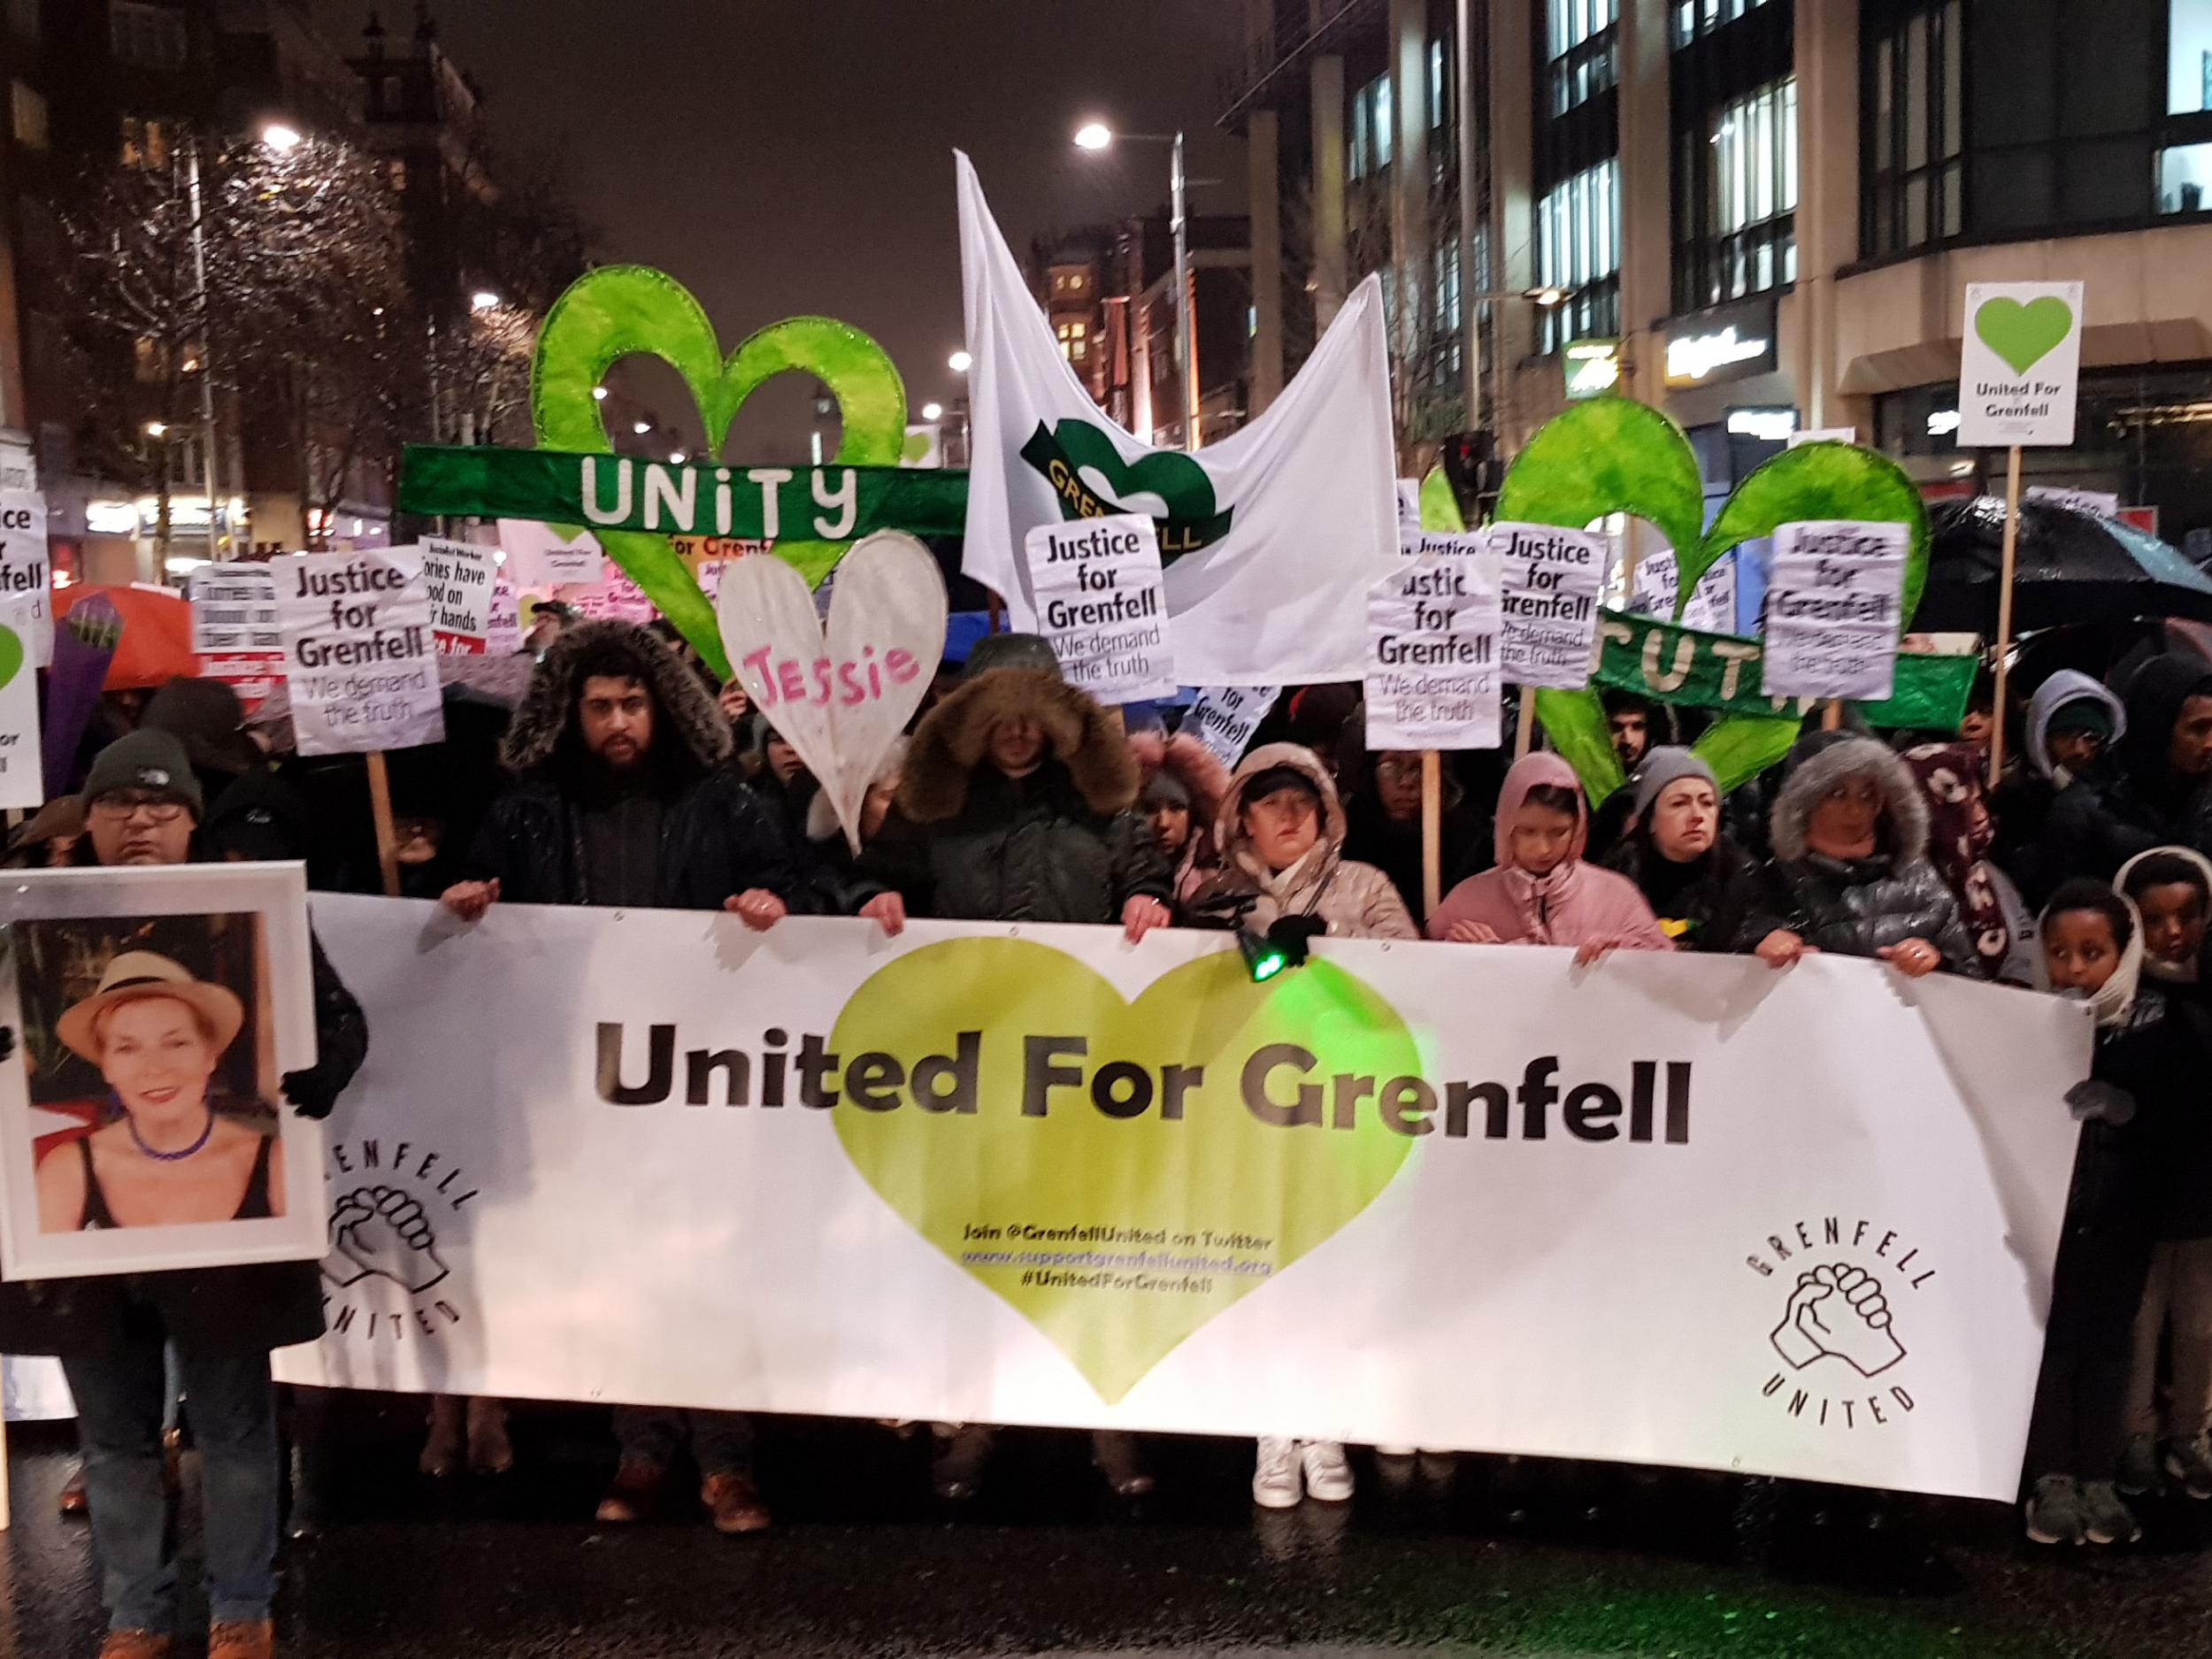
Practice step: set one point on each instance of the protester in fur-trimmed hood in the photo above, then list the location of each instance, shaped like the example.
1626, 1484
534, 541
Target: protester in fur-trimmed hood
1960, 831
1850, 873
1017, 804
1184, 784
1279, 833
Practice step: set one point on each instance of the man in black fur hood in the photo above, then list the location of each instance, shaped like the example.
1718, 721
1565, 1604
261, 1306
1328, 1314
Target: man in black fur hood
624, 798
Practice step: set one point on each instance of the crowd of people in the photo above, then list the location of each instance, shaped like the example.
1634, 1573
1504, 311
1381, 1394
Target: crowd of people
630, 777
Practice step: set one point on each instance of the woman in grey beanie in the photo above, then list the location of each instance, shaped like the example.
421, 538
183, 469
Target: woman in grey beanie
1698, 885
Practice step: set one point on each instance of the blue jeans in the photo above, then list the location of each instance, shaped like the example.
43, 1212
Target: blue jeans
121, 1396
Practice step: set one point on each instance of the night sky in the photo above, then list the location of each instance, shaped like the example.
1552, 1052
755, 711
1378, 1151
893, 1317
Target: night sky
780, 156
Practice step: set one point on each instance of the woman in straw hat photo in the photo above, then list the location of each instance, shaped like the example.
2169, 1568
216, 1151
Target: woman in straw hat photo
170, 1155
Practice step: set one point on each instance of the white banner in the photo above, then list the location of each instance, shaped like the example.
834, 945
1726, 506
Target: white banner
2019, 363
1833, 599
1224, 718
1098, 591
1629, 1213
1551, 579
1432, 627
25, 567
359, 650
458, 578
22, 781
1270, 536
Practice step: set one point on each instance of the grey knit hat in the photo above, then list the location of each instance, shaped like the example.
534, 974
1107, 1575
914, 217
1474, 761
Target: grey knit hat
1667, 765
150, 760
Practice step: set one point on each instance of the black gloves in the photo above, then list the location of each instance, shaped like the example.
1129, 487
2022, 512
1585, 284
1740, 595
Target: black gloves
308, 1094
2092, 1098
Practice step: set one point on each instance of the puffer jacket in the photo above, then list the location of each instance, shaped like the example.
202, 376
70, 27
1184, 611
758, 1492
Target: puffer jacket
1575, 903
249, 1309
717, 836
1356, 901
965, 843
1199, 770
1856, 907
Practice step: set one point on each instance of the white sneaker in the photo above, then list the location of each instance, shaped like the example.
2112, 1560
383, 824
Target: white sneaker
1328, 1477
1276, 1484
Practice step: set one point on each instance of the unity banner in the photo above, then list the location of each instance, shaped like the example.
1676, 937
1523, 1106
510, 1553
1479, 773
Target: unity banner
1668, 1209
1270, 537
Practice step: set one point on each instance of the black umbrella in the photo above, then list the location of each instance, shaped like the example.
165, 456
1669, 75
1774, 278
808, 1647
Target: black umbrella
2070, 567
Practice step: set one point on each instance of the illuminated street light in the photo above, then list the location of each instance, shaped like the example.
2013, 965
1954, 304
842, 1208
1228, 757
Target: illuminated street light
932, 412
960, 362
483, 300
599, 392
281, 139
1547, 297
678, 457
1095, 135
157, 428
641, 428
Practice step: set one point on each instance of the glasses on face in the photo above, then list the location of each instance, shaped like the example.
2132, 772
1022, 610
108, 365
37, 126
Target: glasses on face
1398, 771
120, 809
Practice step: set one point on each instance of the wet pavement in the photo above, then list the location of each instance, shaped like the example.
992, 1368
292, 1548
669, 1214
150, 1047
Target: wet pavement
1519, 1558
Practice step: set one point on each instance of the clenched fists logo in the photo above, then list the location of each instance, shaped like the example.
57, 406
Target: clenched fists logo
383, 1231
1837, 1313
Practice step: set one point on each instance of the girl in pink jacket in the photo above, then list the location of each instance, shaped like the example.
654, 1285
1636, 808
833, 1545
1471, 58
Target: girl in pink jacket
1541, 892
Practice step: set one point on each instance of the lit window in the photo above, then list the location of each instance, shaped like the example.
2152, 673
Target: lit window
1694, 18
29, 110
1371, 134
1741, 238
2188, 66
1578, 250
2184, 179
1580, 51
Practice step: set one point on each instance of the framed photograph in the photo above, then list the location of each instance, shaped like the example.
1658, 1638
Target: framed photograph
154, 1011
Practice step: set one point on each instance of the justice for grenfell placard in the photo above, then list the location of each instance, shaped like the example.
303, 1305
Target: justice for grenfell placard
359, 651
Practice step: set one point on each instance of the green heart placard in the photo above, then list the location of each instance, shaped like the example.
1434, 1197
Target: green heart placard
618, 310
1614, 455
1117, 1237
2024, 335
11, 656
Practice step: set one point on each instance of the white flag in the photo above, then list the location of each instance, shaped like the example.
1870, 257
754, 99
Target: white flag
1271, 537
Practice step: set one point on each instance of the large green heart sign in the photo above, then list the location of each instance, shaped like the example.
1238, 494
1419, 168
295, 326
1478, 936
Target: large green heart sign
2024, 335
1613, 454
620, 310
1108, 1180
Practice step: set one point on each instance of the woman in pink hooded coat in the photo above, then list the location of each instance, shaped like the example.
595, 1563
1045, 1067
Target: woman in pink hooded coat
1541, 892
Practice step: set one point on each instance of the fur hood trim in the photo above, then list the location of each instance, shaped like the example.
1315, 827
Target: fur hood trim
1822, 767
1183, 757
686, 710
1228, 828
954, 737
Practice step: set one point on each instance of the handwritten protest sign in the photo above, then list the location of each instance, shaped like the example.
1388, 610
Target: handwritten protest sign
25, 570
21, 782
1712, 606
1833, 609
359, 650
1097, 587
1432, 657
1551, 579
1224, 719
457, 577
502, 636
234, 629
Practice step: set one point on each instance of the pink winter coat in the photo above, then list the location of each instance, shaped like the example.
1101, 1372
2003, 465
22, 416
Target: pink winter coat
1577, 903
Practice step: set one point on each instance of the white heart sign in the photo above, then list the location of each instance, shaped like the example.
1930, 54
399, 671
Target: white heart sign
839, 695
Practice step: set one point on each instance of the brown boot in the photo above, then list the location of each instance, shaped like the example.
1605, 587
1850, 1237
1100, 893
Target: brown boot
75, 1503
134, 1644
256, 1640
735, 1503
636, 1491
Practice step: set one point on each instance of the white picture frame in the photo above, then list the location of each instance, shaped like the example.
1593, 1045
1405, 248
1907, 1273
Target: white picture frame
241, 926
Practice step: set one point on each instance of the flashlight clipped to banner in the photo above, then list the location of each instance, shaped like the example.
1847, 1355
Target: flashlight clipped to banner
1282, 946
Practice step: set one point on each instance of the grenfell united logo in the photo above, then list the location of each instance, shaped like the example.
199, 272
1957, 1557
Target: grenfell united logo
1090, 479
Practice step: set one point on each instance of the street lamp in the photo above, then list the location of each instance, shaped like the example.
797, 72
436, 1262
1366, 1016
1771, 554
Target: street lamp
932, 412
281, 139
1096, 135
157, 428
483, 300
960, 362
599, 393
641, 428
